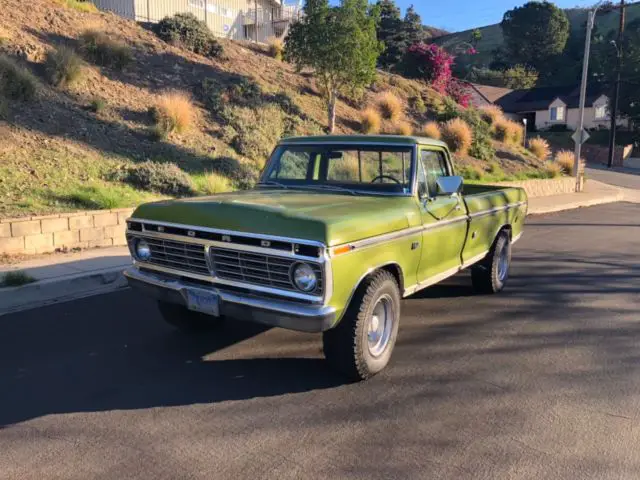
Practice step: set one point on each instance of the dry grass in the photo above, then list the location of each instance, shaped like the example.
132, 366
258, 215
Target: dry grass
105, 50
346, 170
508, 131
63, 67
565, 159
79, 5
389, 106
213, 183
173, 113
458, 135
540, 148
403, 128
432, 130
16, 82
553, 169
491, 113
276, 47
370, 121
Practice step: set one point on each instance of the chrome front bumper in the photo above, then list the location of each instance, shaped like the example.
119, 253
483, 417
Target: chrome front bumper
273, 312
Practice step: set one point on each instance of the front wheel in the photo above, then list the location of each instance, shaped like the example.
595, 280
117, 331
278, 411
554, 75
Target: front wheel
491, 274
362, 343
187, 321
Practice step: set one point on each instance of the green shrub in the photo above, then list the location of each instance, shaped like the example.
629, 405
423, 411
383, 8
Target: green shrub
62, 67
259, 130
97, 105
212, 183
496, 172
103, 50
165, 178
471, 172
246, 92
16, 82
241, 174
418, 105
481, 147
449, 109
16, 279
185, 30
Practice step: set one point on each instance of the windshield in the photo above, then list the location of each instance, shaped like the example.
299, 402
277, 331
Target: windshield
354, 168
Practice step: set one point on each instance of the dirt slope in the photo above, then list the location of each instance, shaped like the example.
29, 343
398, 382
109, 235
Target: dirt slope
55, 144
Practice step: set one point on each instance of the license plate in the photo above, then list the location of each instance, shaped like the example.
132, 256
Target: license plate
203, 302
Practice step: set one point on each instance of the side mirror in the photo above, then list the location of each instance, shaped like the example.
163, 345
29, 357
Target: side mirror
450, 185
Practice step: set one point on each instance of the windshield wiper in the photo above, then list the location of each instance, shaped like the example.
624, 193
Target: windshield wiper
330, 187
271, 183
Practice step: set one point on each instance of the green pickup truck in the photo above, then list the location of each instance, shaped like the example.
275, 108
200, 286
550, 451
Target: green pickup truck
337, 231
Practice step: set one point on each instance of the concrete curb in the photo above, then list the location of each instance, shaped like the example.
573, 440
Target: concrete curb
59, 290
542, 209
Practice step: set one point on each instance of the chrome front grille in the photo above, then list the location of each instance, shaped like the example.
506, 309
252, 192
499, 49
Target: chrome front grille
186, 257
258, 269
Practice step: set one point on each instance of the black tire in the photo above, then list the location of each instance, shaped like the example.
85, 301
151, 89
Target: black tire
487, 276
187, 321
347, 348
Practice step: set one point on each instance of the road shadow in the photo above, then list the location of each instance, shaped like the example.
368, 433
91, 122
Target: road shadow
105, 353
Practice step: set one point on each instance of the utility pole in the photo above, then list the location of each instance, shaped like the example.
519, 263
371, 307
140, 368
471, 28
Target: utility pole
583, 93
616, 88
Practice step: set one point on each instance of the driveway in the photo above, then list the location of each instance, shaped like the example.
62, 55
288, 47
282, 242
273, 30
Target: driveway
542, 381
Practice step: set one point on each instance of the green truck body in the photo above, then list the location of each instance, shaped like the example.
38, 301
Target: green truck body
345, 235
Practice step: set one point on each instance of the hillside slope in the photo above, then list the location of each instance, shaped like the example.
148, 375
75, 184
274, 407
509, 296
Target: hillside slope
492, 34
59, 154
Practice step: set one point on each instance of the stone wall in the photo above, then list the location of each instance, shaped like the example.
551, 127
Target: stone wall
544, 188
48, 233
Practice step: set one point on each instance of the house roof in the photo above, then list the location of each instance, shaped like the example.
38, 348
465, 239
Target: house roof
534, 99
488, 93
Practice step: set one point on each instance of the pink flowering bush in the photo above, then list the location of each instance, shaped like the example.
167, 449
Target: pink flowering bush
431, 63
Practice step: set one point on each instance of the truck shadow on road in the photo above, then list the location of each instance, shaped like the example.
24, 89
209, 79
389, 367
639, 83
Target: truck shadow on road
113, 352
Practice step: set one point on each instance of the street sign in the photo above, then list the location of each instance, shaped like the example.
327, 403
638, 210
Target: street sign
576, 136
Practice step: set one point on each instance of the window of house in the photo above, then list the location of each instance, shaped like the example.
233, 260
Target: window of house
601, 112
196, 4
557, 114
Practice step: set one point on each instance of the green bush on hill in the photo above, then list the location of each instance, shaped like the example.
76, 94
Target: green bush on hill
161, 177
184, 29
16, 82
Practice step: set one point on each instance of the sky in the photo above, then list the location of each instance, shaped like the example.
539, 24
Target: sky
457, 15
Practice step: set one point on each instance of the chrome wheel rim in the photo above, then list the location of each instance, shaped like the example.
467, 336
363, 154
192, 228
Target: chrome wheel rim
380, 326
503, 264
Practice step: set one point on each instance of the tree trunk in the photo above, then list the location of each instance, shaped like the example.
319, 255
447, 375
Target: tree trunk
331, 110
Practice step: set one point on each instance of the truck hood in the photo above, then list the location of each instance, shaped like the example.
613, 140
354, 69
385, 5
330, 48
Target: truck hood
323, 217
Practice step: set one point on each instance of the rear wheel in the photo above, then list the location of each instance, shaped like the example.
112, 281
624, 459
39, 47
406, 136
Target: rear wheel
492, 273
362, 343
187, 321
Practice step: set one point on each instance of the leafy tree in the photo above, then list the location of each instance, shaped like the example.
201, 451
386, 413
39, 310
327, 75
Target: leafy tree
520, 76
629, 100
535, 33
476, 37
413, 28
391, 33
339, 44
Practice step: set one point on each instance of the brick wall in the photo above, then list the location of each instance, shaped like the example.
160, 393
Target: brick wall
48, 233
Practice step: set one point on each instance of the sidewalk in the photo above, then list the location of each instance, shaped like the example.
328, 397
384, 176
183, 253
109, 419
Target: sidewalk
64, 277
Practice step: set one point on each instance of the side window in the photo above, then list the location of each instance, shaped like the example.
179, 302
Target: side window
435, 166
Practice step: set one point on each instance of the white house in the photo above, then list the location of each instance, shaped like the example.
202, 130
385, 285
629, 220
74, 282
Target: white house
558, 107
233, 19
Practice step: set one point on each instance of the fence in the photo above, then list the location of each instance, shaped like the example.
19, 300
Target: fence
225, 18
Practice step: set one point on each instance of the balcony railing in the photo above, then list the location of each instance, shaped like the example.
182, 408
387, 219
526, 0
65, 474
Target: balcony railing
271, 15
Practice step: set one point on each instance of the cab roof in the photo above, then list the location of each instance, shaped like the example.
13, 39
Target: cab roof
364, 139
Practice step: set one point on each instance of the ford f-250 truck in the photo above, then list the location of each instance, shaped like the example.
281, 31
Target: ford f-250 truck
337, 231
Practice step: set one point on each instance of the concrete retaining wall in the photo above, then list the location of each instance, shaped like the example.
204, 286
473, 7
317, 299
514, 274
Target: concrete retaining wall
48, 233
544, 188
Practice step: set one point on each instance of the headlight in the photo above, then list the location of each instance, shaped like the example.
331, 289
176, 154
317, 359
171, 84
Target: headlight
143, 251
304, 277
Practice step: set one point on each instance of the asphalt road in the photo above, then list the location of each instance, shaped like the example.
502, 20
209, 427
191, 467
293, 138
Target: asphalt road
542, 381
626, 178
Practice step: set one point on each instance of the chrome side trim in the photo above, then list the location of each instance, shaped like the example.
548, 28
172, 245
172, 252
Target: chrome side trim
442, 276
230, 283
496, 210
229, 232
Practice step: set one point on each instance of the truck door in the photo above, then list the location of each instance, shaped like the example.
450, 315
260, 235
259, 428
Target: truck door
444, 219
